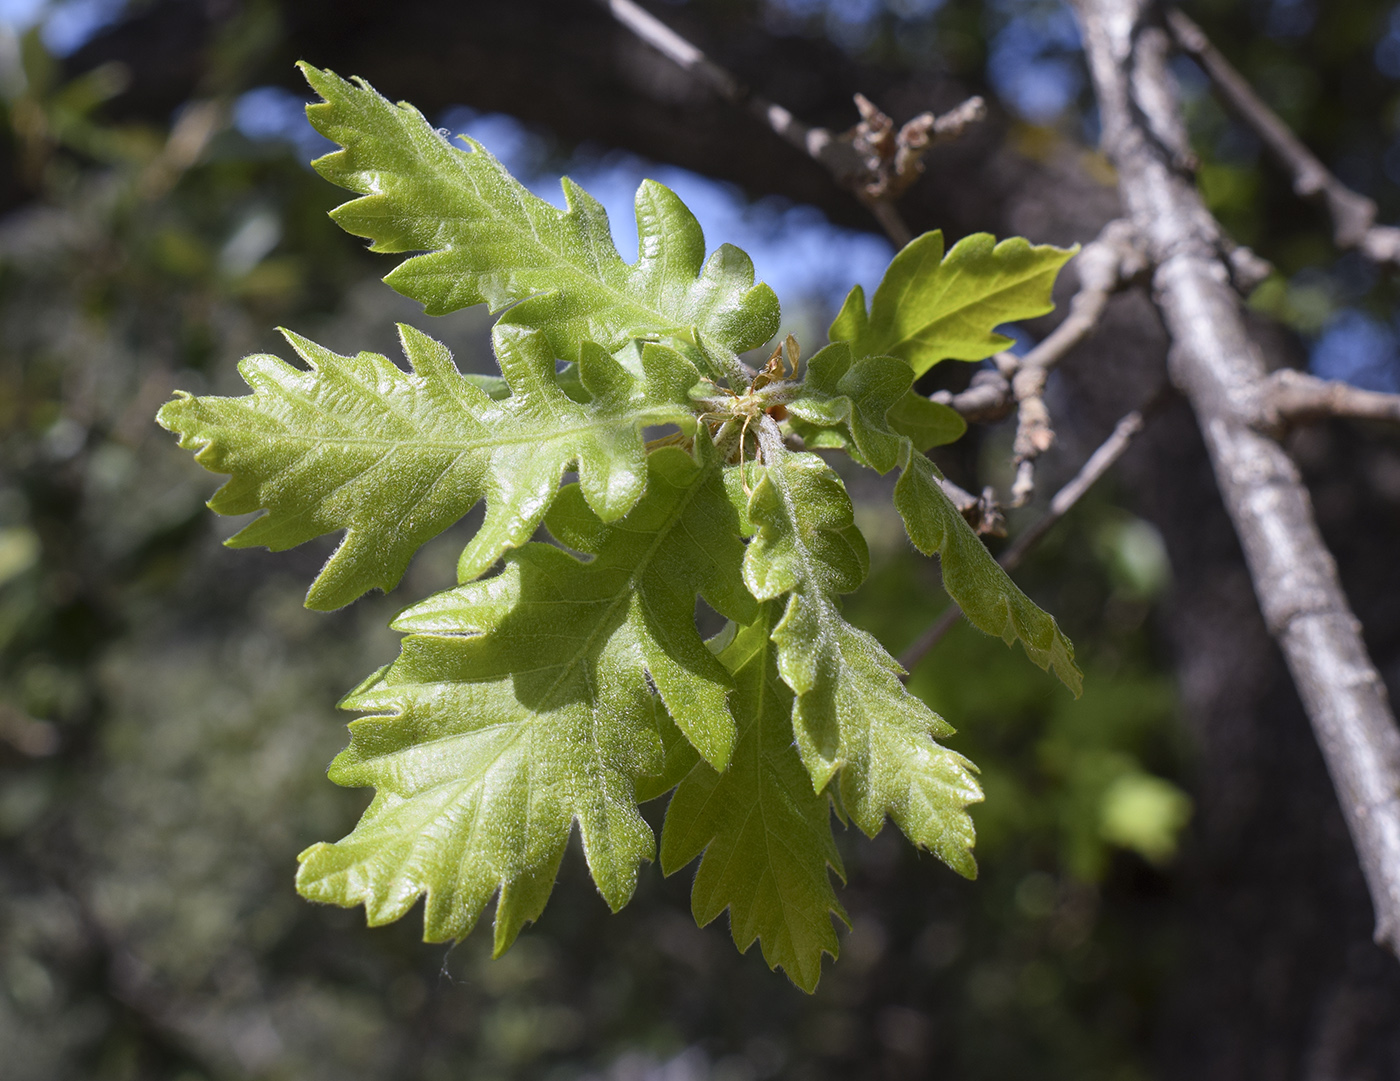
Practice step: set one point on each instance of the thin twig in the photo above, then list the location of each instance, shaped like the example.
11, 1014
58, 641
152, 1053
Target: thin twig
1106, 264
988, 397
1353, 215
982, 513
873, 160
1216, 365
1293, 397
1108, 452
840, 158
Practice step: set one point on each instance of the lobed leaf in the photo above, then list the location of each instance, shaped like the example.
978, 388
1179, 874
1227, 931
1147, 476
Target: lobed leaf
988, 597
763, 834
488, 240
392, 458
852, 714
520, 704
929, 308
870, 401
574, 683
850, 404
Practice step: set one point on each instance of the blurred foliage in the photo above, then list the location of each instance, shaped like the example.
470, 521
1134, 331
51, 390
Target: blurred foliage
166, 706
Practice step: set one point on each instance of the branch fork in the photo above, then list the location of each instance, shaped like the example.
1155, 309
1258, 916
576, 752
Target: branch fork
1216, 365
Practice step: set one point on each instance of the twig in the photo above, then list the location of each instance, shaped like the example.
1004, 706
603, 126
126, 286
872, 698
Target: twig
1292, 397
988, 397
894, 160
982, 513
1213, 362
1108, 452
1106, 264
840, 158
873, 160
1353, 215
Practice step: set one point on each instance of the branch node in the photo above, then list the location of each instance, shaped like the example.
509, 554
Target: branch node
1108, 263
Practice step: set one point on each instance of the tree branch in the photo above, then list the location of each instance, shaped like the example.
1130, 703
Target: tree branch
839, 158
873, 160
1099, 463
982, 513
988, 397
1106, 264
1353, 215
1213, 362
1293, 397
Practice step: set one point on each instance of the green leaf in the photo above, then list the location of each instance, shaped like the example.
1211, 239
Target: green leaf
856, 396
869, 400
678, 757
988, 597
488, 240
682, 540
854, 403
927, 424
392, 457
520, 704
765, 834
929, 308
852, 713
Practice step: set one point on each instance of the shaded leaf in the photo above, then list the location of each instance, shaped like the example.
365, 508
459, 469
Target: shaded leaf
764, 833
986, 594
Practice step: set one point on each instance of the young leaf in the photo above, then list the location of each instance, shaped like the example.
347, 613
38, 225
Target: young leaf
765, 834
520, 704
988, 597
573, 684
927, 424
852, 713
870, 400
394, 457
929, 308
488, 240
850, 401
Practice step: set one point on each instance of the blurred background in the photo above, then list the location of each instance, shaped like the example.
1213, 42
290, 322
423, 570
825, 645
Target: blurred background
1166, 890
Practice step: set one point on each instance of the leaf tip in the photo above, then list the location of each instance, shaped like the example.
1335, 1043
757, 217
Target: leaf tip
166, 415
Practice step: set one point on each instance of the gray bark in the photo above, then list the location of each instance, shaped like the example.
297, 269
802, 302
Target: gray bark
1214, 363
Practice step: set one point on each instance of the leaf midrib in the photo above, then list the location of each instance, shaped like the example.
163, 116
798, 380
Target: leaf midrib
463, 446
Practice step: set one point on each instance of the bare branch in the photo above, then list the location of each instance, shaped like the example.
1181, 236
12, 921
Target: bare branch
873, 160
982, 512
1215, 364
1106, 264
1097, 465
1292, 397
986, 400
891, 221
1353, 215
894, 160
839, 158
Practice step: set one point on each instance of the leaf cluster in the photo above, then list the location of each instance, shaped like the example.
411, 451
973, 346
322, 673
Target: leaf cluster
564, 681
